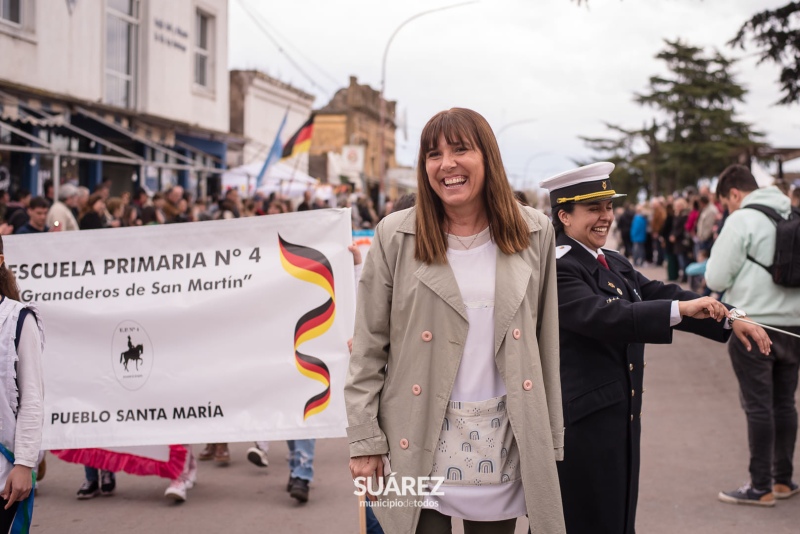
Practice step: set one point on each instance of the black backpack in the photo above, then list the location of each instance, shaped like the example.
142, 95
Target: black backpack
785, 268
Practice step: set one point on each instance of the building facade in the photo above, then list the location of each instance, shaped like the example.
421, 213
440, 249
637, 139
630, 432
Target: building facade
352, 118
132, 91
258, 104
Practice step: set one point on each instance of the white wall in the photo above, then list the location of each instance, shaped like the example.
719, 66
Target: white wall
64, 54
168, 78
264, 107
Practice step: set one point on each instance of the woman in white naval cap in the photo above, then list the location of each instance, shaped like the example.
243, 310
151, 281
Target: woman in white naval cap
607, 312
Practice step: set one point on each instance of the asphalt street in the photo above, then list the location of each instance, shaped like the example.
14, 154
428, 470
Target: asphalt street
694, 445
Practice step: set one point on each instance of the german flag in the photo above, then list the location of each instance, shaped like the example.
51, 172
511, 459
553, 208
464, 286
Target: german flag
300, 141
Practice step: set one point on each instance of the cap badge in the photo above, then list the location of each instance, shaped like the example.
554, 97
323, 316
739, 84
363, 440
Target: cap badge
605, 185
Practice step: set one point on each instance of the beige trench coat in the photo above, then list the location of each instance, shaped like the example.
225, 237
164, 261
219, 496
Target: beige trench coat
410, 331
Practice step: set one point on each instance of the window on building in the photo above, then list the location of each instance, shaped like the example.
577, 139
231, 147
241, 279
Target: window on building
11, 11
122, 32
202, 49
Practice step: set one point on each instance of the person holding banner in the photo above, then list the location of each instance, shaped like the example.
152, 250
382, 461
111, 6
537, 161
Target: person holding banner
21, 402
608, 312
453, 386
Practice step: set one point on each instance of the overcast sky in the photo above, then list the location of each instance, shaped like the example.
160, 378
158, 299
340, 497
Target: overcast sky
570, 68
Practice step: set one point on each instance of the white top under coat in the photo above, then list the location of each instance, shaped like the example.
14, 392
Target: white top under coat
478, 378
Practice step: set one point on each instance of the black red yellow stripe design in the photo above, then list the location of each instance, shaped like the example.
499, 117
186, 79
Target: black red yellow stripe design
310, 265
301, 140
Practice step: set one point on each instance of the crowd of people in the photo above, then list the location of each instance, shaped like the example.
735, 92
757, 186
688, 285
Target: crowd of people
676, 232
78, 209
515, 340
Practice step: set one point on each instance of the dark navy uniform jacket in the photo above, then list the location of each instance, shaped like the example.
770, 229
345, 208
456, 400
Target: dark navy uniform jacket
605, 318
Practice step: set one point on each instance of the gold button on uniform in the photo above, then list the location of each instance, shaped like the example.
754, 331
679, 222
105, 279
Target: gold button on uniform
630, 366
633, 393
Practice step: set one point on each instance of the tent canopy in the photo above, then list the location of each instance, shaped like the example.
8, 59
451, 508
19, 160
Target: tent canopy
279, 178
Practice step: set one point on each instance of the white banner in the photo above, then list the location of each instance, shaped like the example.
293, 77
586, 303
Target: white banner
219, 331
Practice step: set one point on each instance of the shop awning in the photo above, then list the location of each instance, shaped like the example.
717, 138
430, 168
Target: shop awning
38, 112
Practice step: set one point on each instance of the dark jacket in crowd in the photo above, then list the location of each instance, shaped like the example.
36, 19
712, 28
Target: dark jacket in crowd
17, 217
92, 221
606, 316
666, 231
28, 229
683, 240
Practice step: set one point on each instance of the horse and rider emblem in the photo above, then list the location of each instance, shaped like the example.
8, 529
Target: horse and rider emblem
133, 353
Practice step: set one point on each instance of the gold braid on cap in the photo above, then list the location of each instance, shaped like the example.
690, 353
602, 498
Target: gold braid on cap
588, 196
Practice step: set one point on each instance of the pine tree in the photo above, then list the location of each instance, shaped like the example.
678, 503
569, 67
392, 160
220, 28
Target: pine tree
695, 133
776, 34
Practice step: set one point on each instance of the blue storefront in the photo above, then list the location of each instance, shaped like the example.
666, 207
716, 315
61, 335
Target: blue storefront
69, 142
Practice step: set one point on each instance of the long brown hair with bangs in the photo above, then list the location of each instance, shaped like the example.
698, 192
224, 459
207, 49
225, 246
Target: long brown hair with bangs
507, 226
8, 284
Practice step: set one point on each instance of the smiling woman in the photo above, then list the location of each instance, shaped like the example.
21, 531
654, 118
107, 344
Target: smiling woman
607, 311
454, 368
463, 188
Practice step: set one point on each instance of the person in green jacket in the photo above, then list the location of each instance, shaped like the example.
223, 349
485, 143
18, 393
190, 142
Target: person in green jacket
767, 384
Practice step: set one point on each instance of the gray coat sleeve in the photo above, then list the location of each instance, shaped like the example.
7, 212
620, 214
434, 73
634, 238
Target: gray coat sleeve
548, 336
367, 370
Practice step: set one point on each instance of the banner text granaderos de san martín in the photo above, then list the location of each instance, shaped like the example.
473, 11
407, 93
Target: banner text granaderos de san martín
217, 331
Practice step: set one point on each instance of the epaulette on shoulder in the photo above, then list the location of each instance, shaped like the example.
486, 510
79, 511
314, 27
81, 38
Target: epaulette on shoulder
561, 250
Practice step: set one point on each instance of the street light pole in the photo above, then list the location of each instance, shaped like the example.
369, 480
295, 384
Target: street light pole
382, 103
528, 164
510, 124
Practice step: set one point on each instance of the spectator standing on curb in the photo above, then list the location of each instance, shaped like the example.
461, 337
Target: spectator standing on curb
37, 218
668, 245
767, 385
17, 209
704, 234
658, 220
680, 238
93, 215
639, 236
624, 223
61, 211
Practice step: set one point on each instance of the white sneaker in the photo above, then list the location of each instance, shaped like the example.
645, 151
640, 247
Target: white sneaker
176, 491
257, 456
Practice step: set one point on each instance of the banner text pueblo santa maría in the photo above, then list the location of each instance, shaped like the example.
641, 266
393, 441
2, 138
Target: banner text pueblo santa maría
218, 331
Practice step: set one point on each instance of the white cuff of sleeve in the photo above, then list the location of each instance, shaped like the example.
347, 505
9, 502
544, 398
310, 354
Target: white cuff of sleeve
357, 271
674, 314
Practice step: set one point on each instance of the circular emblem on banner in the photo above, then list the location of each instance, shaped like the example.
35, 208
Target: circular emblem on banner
132, 355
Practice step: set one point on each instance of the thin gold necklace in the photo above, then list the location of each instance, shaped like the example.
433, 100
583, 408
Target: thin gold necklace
470, 243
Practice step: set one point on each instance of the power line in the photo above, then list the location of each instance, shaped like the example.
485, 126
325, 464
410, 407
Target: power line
280, 48
297, 50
